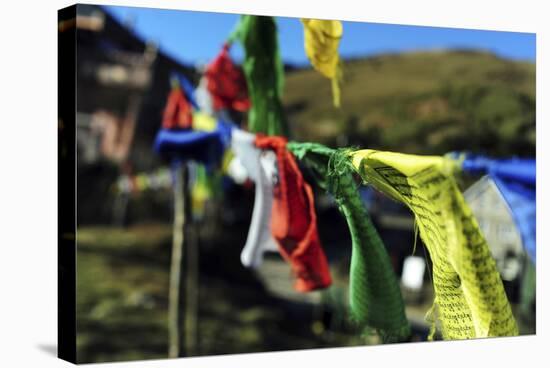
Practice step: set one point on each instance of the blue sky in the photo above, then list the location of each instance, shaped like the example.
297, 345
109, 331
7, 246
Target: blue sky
196, 37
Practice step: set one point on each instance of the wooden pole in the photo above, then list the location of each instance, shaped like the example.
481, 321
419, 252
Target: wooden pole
191, 288
184, 273
175, 321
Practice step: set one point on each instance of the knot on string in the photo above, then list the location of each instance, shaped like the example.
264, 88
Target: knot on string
339, 173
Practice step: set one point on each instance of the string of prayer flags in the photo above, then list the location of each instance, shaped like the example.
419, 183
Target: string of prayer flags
205, 147
226, 83
178, 112
375, 296
204, 97
294, 221
321, 41
264, 73
236, 170
205, 184
158, 179
522, 201
518, 170
204, 122
259, 239
187, 87
516, 180
200, 189
470, 300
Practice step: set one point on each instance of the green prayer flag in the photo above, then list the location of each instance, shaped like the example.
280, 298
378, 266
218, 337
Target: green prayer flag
375, 296
264, 73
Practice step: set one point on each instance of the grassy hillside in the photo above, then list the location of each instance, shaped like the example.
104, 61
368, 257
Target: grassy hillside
420, 102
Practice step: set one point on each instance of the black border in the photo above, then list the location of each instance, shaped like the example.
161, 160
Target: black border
66, 185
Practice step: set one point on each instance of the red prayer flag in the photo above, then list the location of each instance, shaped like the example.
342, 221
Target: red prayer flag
178, 112
293, 220
226, 83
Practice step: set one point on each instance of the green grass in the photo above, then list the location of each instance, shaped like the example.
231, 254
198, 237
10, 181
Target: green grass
122, 288
122, 300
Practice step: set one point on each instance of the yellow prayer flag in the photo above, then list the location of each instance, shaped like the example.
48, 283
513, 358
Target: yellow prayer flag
321, 41
203, 122
228, 156
469, 295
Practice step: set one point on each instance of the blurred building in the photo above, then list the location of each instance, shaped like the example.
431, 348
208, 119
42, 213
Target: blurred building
122, 84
